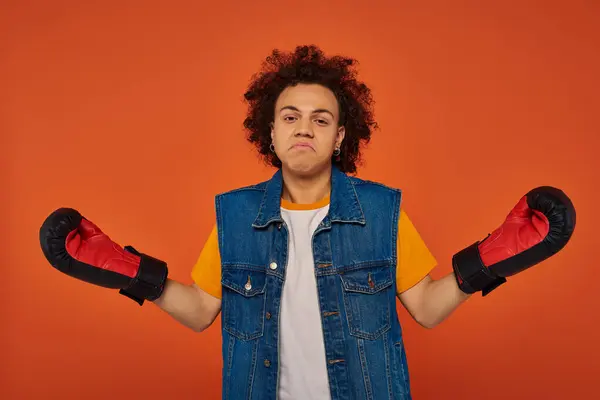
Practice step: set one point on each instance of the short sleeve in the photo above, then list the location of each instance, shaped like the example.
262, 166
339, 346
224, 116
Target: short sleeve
415, 261
206, 273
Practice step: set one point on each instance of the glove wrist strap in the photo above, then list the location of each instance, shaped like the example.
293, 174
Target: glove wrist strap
150, 280
471, 274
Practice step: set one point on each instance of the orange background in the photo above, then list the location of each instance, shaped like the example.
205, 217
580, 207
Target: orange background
132, 113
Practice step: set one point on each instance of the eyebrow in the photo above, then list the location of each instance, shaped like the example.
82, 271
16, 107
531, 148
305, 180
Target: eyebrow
318, 110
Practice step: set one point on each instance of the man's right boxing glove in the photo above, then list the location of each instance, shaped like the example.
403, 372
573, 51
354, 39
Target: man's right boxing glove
75, 246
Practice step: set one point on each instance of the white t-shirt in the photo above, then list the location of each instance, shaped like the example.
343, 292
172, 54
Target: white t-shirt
302, 352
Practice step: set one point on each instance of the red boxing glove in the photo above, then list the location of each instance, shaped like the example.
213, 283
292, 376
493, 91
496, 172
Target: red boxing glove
538, 227
75, 246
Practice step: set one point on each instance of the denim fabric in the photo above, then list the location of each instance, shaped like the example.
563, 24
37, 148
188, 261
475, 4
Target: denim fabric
355, 258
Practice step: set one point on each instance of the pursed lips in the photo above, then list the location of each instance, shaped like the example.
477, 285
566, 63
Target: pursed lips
303, 144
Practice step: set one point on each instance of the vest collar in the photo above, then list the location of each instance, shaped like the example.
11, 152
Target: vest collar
344, 204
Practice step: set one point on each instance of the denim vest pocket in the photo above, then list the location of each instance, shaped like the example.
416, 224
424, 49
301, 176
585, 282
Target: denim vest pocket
242, 314
367, 300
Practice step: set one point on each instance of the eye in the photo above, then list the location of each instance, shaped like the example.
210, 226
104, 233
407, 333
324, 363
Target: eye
289, 118
322, 121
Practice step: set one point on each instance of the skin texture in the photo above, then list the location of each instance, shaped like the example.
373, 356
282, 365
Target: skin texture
305, 133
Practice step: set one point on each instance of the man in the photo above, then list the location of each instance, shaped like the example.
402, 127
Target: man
305, 268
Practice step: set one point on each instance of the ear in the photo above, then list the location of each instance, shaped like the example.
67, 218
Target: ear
340, 136
272, 130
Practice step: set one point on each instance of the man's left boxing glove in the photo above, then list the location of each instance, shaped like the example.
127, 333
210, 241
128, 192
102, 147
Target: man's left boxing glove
75, 246
537, 227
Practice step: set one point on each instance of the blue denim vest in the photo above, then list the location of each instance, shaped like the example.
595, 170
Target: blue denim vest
355, 258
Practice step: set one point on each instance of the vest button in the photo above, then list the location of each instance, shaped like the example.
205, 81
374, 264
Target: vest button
268, 315
267, 363
273, 265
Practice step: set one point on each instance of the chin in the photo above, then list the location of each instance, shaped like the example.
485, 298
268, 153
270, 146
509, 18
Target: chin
303, 167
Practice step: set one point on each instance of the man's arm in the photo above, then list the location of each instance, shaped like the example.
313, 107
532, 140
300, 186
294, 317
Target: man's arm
431, 301
189, 305
537, 227
77, 247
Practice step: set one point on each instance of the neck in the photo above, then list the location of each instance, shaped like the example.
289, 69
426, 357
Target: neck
306, 189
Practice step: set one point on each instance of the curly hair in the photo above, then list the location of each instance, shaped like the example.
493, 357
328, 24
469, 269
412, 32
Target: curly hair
308, 64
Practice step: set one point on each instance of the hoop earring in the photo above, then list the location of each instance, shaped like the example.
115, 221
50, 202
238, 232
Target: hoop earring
272, 148
337, 152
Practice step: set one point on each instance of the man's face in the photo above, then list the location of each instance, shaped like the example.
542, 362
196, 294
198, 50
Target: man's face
305, 129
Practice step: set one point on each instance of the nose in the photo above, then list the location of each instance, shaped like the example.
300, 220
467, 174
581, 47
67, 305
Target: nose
304, 128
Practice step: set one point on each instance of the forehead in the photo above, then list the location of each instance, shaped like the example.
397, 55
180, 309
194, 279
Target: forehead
308, 97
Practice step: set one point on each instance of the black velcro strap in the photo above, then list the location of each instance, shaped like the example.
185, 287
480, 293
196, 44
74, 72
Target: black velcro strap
150, 280
471, 274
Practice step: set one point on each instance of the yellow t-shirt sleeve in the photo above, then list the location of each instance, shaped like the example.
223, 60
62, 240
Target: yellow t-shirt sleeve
206, 273
415, 261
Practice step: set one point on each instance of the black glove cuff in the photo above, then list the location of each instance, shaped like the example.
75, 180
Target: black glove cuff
150, 280
471, 274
